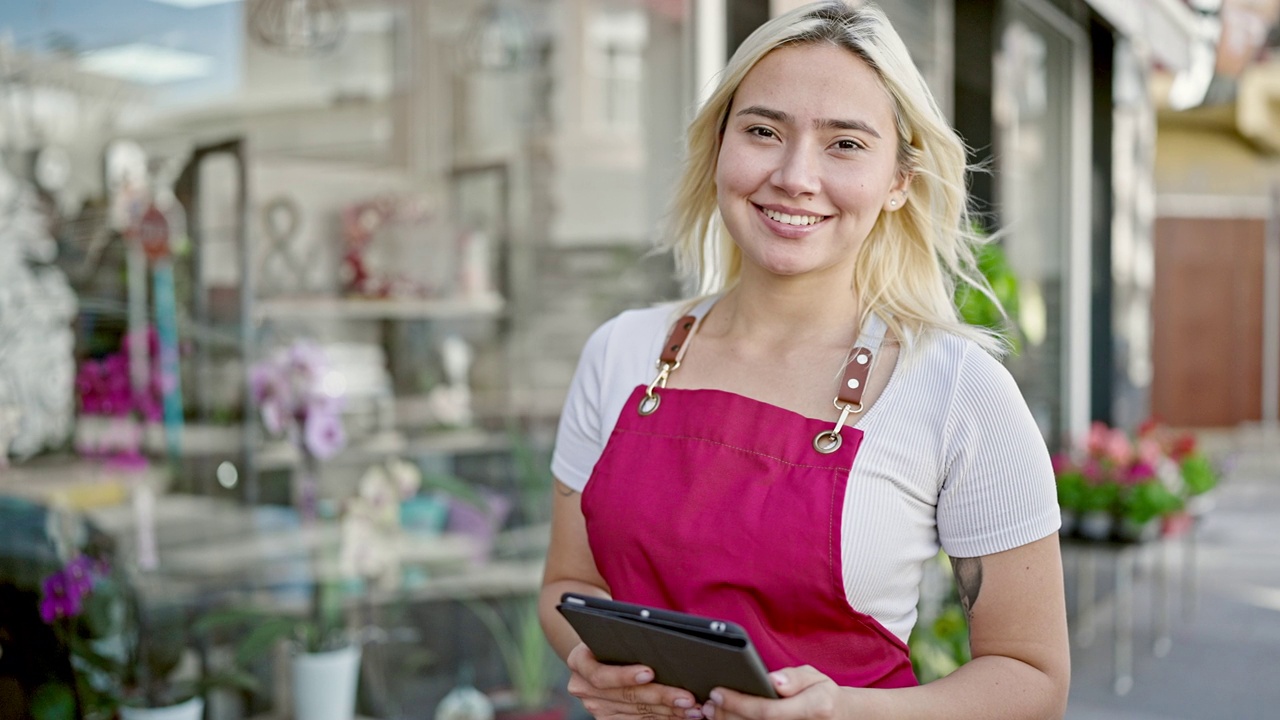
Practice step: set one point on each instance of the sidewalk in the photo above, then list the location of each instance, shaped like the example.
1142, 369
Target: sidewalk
1224, 662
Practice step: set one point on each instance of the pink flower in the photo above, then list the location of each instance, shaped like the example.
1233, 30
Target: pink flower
1118, 448
1098, 440
1061, 463
323, 434
1149, 452
1139, 473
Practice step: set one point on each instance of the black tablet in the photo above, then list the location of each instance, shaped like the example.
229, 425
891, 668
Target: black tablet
696, 653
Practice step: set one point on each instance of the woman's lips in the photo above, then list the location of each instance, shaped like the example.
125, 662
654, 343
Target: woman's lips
785, 224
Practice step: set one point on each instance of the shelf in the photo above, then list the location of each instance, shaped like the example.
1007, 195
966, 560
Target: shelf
323, 307
281, 454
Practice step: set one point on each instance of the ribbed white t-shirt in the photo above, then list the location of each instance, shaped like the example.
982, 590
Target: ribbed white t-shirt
950, 457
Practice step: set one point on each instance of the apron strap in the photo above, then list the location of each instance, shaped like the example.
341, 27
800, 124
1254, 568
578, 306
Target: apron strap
858, 368
673, 350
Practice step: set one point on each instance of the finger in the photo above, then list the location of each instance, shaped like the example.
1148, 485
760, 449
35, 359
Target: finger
649, 698
581, 660
606, 707
787, 682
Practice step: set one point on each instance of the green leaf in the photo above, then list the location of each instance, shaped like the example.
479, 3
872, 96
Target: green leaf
264, 636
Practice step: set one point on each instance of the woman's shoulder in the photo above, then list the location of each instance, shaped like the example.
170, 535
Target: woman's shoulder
635, 330
938, 359
935, 349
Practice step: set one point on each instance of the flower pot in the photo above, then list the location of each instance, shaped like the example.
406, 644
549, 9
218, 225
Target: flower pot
1094, 525
1068, 526
1177, 525
1126, 530
324, 684
192, 709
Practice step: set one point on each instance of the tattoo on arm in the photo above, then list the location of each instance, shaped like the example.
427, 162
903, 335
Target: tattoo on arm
565, 490
968, 572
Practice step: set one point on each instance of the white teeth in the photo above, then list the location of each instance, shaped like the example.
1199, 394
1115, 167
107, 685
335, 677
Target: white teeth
786, 219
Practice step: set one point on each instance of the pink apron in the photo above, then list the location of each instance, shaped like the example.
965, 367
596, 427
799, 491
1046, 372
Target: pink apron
719, 505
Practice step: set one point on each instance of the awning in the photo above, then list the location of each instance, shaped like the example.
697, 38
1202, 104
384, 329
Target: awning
1168, 28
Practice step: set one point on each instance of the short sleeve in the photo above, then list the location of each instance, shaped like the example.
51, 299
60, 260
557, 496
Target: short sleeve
581, 435
998, 491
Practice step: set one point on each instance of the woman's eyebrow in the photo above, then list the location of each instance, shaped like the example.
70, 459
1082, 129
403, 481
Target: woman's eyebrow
786, 118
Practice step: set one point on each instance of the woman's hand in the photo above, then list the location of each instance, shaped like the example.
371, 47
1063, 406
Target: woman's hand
804, 692
618, 691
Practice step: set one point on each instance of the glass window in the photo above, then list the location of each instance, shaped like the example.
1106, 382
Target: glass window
1034, 105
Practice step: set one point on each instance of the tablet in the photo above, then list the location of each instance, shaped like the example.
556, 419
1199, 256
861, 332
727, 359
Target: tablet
692, 652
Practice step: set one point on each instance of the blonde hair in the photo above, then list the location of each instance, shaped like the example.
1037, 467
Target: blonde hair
907, 267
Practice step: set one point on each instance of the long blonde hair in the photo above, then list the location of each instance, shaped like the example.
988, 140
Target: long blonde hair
907, 268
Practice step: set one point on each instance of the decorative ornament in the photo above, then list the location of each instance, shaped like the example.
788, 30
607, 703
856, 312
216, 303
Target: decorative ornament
299, 27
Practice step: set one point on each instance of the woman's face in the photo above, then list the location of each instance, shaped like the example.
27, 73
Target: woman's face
808, 161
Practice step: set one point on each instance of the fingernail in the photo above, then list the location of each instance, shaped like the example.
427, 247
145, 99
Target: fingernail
644, 676
717, 697
683, 703
693, 714
709, 710
778, 679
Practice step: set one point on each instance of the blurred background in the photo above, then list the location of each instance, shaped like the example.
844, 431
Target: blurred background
291, 292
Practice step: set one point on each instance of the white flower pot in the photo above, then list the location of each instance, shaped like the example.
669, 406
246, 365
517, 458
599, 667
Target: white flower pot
324, 684
192, 709
1094, 525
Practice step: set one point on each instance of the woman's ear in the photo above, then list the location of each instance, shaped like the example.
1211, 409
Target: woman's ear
898, 193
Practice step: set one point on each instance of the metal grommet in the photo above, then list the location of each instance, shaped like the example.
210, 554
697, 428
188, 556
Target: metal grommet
827, 441
648, 404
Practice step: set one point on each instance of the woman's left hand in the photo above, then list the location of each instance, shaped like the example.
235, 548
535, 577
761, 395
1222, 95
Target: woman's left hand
805, 694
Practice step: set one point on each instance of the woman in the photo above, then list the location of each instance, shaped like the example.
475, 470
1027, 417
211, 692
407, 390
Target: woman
819, 422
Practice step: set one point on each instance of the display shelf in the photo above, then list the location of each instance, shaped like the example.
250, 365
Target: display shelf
325, 307
281, 454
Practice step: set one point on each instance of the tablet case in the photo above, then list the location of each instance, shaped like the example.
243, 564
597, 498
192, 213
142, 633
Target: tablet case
688, 651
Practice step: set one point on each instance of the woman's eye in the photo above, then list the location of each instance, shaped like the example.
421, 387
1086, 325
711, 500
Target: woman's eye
849, 145
763, 132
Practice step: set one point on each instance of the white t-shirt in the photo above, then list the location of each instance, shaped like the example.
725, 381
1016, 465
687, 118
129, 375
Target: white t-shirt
950, 457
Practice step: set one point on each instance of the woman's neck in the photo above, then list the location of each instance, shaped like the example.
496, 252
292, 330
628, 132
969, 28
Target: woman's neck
786, 312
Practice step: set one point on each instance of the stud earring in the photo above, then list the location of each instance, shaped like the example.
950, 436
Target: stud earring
893, 203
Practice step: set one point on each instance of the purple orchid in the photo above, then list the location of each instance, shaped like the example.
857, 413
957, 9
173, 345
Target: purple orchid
64, 590
323, 434
293, 389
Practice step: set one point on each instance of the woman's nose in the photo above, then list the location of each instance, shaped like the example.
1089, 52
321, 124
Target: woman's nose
797, 172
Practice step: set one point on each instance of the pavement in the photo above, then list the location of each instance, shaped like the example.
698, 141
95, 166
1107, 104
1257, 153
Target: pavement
1224, 659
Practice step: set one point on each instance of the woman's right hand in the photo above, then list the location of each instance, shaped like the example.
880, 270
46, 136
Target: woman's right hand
625, 691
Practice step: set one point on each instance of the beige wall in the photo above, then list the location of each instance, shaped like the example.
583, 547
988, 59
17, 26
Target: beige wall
1210, 160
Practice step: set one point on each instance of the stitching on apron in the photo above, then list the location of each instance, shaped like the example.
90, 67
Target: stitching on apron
735, 447
837, 580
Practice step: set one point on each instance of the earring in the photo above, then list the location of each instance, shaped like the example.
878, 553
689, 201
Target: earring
893, 202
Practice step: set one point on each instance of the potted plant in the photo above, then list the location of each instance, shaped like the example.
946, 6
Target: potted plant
1123, 488
532, 668
1190, 474
324, 653
127, 658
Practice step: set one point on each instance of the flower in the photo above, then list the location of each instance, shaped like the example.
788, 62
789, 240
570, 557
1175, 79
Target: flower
121, 652
300, 396
1139, 479
323, 434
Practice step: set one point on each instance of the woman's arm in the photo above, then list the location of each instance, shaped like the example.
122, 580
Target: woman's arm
1021, 665
570, 567
613, 692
